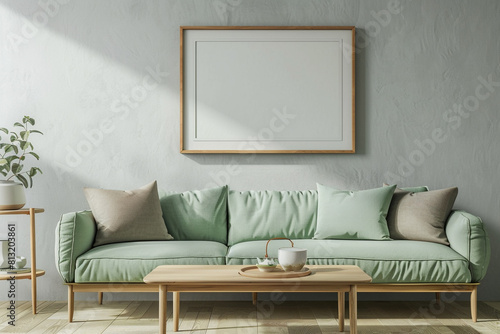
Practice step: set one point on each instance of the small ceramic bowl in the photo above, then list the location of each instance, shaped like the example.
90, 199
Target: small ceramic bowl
20, 262
266, 267
266, 264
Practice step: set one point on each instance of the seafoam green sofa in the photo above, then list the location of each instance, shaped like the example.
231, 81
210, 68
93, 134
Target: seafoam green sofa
218, 226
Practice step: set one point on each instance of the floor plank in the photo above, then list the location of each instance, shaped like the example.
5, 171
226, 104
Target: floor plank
267, 317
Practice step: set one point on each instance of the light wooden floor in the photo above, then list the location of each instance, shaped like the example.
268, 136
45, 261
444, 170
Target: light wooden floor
242, 317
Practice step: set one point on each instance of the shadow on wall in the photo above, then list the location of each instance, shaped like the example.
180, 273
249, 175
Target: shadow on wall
106, 29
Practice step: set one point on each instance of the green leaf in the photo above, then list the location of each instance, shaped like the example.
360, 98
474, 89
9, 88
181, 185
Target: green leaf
3, 162
19, 124
27, 119
25, 134
36, 131
11, 158
32, 172
31, 180
35, 155
3, 173
17, 168
23, 180
24, 144
13, 137
10, 148
4, 130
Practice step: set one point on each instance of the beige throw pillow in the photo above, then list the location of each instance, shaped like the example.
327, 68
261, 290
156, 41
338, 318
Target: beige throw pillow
129, 215
421, 215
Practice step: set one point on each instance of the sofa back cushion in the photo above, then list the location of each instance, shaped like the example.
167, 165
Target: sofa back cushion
261, 215
196, 215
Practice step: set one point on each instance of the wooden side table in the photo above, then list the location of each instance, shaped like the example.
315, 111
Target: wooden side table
34, 271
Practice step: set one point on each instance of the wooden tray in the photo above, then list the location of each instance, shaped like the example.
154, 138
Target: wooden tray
253, 271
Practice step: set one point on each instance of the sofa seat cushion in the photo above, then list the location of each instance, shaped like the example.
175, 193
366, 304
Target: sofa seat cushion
394, 261
131, 261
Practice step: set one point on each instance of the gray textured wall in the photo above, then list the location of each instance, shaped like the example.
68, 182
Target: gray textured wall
420, 78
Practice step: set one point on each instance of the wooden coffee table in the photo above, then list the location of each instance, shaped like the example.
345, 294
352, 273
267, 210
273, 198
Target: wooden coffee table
225, 278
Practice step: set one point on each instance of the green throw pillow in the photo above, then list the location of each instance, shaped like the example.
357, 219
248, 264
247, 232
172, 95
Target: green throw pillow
353, 214
127, 215
196, 215
411, 189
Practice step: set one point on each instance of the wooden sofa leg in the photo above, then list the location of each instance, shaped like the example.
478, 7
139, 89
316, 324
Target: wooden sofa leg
254, 298
438, 297
473, 304
71, 303
99, 297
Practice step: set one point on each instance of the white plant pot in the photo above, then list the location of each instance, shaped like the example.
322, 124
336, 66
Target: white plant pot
12, 195
292, 258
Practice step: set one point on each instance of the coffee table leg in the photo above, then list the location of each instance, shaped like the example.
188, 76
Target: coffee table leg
163, 309
353, 309
176, 310
341, 307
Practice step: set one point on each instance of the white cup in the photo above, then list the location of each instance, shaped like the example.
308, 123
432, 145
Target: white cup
292, 258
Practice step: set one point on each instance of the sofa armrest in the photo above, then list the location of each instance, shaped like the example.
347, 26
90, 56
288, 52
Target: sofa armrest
468, 237
75, 233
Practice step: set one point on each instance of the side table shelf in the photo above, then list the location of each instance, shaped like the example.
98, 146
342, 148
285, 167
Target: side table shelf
39, 273
34, 272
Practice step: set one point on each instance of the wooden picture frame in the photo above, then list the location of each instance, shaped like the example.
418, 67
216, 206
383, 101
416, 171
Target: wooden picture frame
267, 89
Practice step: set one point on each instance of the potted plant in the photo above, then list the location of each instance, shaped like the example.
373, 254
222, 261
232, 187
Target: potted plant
15, 149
